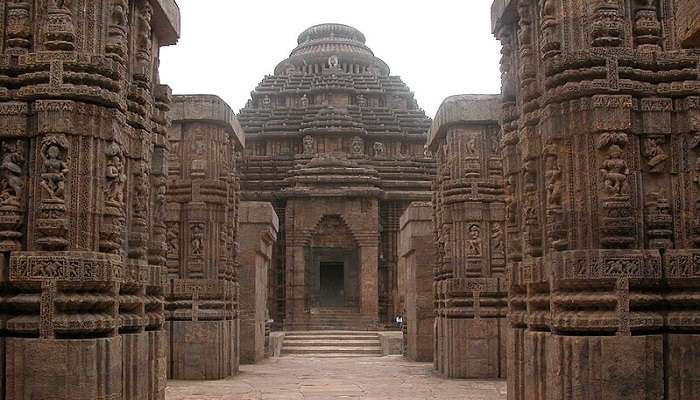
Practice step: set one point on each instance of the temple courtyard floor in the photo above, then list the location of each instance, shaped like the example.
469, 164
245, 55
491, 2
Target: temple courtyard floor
376, 378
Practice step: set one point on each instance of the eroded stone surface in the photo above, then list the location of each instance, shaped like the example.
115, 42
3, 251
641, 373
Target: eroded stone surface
470, 213
82, 178
202, 233
601, 163
289, 378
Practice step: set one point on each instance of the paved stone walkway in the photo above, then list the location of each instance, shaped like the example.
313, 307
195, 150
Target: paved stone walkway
376, 378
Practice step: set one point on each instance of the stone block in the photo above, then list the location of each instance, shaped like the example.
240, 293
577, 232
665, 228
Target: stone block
84, 369
202, 350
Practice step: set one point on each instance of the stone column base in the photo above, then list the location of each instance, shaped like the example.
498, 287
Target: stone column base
471, 348
203, 350
604, 367
64, 369
252, 341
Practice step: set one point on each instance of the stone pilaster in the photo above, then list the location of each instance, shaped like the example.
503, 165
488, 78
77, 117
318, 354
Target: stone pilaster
600, 139
81, 301
416, 262
257, 234
202, 233
469, 276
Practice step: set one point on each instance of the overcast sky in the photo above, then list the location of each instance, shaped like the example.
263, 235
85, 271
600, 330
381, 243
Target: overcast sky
438, 47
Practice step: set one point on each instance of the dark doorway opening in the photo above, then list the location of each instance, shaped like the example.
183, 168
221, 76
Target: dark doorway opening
332, 293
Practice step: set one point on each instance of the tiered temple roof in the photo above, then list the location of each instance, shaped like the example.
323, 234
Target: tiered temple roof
334, 98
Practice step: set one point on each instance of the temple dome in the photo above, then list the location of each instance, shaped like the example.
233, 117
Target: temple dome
332, 46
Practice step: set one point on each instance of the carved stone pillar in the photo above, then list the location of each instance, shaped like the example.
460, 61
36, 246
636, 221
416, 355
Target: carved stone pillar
82, 314
602, 171
469, 221
416, 261
201, 220
257, 232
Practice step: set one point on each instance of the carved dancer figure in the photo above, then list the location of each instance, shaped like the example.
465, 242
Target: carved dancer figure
615, 172
55, 168
12, 183
474, 241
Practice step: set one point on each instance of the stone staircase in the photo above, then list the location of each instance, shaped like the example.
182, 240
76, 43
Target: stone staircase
331, 344
338, 319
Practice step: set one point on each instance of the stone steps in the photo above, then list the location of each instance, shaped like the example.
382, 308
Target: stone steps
331, 343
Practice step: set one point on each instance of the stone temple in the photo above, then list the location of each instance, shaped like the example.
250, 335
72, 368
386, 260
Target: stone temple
336, 144
538, 244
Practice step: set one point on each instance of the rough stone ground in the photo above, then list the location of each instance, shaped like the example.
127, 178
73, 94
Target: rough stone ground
376, 378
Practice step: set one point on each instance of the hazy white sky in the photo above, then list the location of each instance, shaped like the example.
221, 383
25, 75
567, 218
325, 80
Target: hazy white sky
438, 47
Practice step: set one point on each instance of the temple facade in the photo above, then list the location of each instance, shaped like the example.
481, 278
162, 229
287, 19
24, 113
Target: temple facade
336, 144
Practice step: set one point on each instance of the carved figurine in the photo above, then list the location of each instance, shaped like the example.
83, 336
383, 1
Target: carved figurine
615, 172
471, 144
655, 154
357, 146
304, 101
361, 101
116, 178
474, 241
197, 240
173, 241
378, 149
497, 239
11, 183
308, 142
54, 166
553, 177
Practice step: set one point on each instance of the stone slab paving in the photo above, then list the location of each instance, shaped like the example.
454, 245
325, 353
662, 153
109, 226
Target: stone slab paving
370, 378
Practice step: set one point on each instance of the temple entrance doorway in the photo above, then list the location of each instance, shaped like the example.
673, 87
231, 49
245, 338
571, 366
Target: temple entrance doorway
334, 279
332, 285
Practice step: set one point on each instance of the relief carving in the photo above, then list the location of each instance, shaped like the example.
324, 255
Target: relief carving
474, 241
60, 32
12, 189
52, 224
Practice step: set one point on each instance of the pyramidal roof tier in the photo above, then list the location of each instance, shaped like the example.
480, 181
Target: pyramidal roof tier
327, 44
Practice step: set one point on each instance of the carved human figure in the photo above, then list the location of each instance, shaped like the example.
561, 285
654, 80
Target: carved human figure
530, 175
474, 241
656, 157
553, 177
510, 199
379, 149
308, 143
333, 62
615, 172
55, 167
497, 239
361, 101
159, 200
197, 240
141, 186
358, 146
304, 101
115, 176
471, 145
173, 241
266, 102
11, 180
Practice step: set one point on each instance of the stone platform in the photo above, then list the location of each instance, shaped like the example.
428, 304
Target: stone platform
293, 378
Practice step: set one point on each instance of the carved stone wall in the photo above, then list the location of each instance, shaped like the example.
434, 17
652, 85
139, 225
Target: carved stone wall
82, 158
601, 132
258, 227
469, 276
202, 237
416, 263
